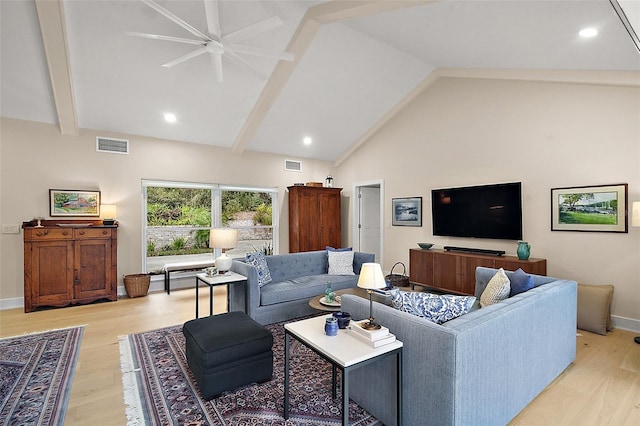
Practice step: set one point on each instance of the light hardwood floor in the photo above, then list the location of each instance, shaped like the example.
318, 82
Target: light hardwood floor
602, 387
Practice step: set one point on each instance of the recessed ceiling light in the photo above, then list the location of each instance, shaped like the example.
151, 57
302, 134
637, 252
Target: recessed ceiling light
307, 140
170, 117
588, 32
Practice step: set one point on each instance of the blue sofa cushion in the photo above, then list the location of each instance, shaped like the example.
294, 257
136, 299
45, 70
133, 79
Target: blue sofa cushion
433, 307
497, 289
340, 262
520, 282
303, 288
329, 248
258, 261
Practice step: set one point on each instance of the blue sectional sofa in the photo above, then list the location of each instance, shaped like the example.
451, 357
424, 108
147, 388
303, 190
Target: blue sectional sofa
296, 278
481, 368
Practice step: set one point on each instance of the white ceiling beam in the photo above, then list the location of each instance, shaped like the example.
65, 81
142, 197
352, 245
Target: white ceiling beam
325, 13
54, 37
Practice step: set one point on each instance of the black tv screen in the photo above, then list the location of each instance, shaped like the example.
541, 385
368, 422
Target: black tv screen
487, 211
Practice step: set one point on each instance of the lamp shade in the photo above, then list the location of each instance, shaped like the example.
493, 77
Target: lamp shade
371, 276
223, 238
108, 211
635, 213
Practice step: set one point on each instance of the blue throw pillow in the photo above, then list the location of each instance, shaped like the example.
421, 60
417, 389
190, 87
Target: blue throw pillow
520, 282
329, 248
258, 261
434, 307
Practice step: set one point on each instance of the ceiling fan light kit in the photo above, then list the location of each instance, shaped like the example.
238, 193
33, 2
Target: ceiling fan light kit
215, 43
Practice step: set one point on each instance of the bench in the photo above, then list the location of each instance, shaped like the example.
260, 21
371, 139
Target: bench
183, 266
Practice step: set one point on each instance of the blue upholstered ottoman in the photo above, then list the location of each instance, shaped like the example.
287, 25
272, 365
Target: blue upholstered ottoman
227, 351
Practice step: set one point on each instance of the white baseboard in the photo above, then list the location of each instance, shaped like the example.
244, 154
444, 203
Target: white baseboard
623, 323
16, 302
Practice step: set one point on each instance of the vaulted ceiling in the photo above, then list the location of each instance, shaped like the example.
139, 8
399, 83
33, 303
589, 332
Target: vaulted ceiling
71, 62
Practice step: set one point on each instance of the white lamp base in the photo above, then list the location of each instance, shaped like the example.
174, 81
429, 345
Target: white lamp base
223, 263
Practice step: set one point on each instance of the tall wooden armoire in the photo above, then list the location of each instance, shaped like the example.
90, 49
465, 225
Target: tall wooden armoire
314, 218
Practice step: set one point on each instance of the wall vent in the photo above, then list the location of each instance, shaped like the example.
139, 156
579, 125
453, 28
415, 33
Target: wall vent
293, 165
112, 146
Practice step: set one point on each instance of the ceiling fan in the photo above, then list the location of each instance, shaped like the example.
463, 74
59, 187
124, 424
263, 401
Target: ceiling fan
214, 42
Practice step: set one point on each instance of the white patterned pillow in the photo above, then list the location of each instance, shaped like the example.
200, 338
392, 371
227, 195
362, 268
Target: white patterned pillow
258, 261
436, 308
497, 289
340, 262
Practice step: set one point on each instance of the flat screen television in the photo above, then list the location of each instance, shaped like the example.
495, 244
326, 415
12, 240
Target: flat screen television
486, 211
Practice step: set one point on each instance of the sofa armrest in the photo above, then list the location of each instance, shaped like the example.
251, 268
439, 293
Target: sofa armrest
249, 294
359, 258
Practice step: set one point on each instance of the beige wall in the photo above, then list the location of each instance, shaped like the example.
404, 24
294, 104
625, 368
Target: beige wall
459, 132
35, 158
545, 135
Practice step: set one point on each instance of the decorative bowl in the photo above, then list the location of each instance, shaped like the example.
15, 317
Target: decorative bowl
343, 319
425, 246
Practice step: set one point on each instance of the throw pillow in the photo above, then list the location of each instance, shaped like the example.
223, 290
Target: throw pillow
329, 248
594, 308
520, 282
433, 307
340, 262
497, 289
258, 261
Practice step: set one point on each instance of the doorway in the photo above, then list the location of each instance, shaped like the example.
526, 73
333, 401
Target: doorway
369, 218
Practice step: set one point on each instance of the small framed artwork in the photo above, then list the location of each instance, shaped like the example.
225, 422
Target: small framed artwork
600, 208
65, 202
407, 211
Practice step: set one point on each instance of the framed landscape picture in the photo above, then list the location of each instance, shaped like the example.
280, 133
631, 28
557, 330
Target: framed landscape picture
65, 202
406, 211
601, 208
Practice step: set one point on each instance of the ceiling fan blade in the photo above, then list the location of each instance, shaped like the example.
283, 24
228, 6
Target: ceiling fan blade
216, 61
253, 30
256, 51
239, 59
165, 38
186, 57
212, 12
175, 19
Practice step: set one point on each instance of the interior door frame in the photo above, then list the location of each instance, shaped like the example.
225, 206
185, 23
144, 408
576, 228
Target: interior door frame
356, 214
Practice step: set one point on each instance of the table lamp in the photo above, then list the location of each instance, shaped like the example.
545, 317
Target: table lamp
223, 238
371, 277
108, 213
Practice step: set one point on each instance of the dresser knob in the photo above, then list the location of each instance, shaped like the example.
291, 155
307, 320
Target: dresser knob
81, 232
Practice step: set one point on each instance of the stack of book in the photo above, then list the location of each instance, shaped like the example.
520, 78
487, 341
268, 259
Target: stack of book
375, 338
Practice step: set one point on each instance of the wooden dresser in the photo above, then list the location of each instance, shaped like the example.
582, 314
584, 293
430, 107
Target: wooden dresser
314, 218
456, 271
67, 262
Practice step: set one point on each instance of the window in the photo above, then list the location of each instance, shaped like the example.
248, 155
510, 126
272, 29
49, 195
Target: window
178, 216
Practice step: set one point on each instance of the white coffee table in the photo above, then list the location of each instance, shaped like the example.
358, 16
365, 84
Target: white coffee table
343, 351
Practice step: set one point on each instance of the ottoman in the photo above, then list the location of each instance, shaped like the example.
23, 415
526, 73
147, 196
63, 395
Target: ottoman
227, 351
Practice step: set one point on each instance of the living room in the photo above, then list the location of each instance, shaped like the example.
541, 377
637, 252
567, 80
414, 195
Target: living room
545, 129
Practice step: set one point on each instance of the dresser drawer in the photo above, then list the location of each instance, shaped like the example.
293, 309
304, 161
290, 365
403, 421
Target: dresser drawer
44, 234
92, 233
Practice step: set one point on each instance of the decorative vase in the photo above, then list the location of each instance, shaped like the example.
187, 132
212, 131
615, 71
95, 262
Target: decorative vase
331, 327
523, 250
328, 182
329, 295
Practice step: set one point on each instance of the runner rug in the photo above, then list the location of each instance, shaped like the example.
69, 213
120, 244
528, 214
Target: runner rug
36, 371
160, 389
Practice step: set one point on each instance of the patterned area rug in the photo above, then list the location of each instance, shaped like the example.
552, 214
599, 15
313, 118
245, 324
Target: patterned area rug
36, 371
160, 389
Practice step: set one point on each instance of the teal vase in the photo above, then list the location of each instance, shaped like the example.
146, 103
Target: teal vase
329, 295
524, 250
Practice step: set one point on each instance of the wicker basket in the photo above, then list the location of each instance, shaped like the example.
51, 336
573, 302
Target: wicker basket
137, 285
397, 280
